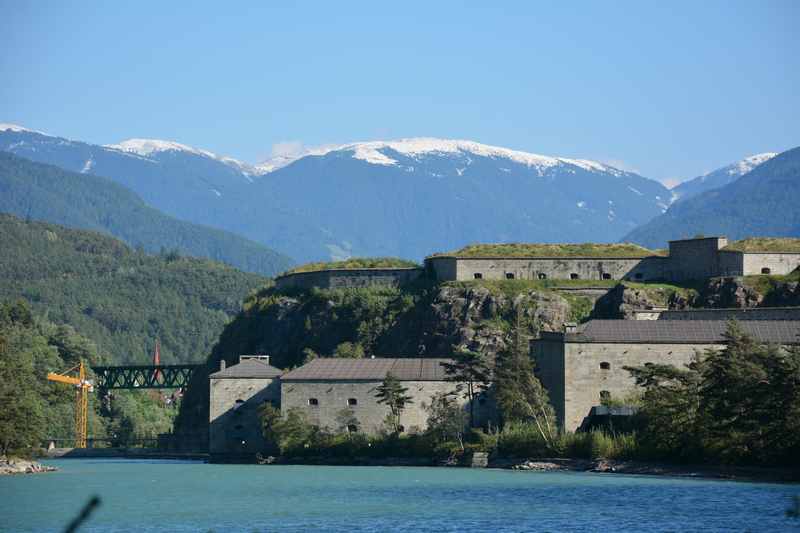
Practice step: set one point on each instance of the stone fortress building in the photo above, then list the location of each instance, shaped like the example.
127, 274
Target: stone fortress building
583, 365
580, 367
687, 259
338, 395
235, 395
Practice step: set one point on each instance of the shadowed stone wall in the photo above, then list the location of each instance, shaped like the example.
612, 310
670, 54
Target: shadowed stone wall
234, 426
349, 278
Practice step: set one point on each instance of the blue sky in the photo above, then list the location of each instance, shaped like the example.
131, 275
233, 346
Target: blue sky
668, 89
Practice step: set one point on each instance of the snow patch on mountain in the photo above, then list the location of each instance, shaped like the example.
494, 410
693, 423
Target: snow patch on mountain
18, 129
87, 167
149, 147
749, 163
374, 152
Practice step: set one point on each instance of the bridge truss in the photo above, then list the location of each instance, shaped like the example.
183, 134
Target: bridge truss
143, 376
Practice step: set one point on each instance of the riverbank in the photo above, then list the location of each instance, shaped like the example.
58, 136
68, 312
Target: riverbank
13, 466
734, 473
720, 472
122, 453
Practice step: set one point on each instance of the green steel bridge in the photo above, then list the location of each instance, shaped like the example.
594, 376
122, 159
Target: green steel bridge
143, 376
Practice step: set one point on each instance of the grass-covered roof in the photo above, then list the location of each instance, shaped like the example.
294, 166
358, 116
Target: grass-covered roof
765, 244
553, 250
355, 263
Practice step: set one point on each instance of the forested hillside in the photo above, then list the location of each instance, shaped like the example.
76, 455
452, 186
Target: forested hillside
34, 408
120, 298
45, 192
763, 202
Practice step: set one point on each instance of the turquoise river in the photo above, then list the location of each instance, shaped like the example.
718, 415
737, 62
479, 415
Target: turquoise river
179, 496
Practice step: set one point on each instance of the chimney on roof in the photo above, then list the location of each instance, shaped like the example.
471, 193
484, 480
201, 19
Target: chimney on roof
221, 365
570, 327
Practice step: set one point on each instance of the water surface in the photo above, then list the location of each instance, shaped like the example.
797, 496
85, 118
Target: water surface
192, 496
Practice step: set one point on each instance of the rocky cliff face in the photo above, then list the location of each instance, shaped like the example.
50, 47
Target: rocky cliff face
478, 319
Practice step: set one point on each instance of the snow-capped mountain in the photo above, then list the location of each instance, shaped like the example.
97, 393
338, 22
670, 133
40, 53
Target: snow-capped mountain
406, 198
760, 202
720, 177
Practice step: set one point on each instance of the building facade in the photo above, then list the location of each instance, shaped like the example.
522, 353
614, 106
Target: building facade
582, 366
688, 259
337, 393
235, 395
348, 278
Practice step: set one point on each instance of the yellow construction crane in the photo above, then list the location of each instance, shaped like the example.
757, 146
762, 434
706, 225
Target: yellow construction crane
84, 387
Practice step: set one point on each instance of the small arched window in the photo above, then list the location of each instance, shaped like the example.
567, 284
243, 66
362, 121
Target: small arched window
606, 275
765, 270
605, 365
478, 275
352, 401
542, 275
313, 402
573, 276
509, 275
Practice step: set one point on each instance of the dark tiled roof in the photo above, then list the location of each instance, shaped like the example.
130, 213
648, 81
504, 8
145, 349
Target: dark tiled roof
683, 331
406, 369
248, 368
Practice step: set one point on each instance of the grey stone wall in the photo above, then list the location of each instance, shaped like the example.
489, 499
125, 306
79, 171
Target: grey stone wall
349, 278
730, 263
777, 263
694, 258
749, 313
574, 378
499, 268
332, 399
234, 426
442, 268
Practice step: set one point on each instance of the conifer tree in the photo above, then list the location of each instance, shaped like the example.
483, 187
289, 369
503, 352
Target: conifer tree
520, 395
394, 395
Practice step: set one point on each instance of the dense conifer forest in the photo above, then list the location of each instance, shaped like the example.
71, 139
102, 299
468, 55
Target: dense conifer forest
122, 299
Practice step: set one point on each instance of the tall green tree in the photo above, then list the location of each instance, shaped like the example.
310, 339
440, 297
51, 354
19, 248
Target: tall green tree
446, 419
395, 396
519, 394
472, 375
22, 414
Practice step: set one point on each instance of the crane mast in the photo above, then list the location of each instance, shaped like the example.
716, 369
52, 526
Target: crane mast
83, 388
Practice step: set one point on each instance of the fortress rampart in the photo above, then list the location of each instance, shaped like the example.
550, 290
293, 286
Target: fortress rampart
348, 278
688, 259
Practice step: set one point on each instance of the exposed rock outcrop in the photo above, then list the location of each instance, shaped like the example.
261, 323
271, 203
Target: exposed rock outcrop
478, 319
720, 293
12, 465
622, 301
